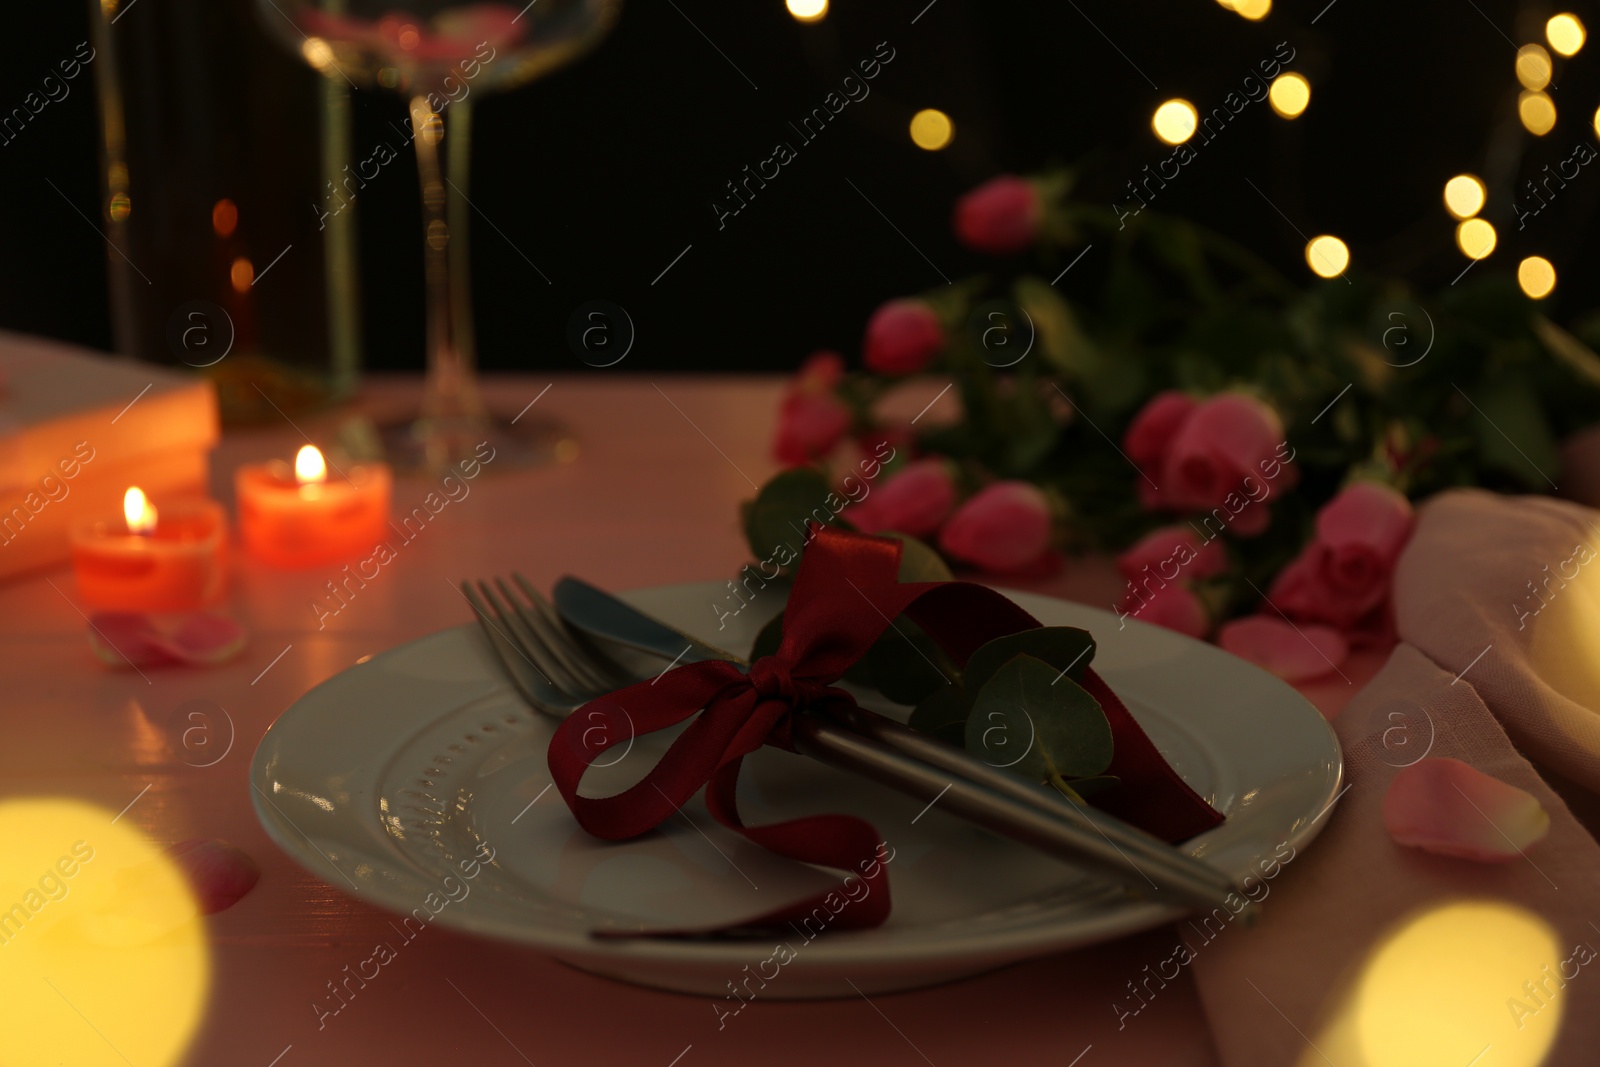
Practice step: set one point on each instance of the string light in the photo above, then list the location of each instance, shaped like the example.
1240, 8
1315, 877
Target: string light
807, 10
1475, 238
1289, 95
1175, 121
1533, 66
1565, 33
931, 129
1537, 276
1327, 256
1537, 112
1463, 196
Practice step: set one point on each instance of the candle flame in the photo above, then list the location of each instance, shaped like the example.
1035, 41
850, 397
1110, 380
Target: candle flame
309, 465
139, 512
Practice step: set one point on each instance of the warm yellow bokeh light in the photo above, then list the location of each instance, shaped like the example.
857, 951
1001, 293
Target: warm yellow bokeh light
1565, 33
241, 274
807, 10
1250, 9
1537, 111
1450, 983
1463, 196
316, 52
1533, 66
1289, 95
1475, 238
931, 129
1327, 256
1175, 121
102, 950
1537, 276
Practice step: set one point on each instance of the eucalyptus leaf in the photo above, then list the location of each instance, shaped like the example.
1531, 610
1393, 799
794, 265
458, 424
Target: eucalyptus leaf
775, 521
1037, 724
943, 714
918, 562
905, 665
1065, 648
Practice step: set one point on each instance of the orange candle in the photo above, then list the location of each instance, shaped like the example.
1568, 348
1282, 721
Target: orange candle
166, 559
302, 517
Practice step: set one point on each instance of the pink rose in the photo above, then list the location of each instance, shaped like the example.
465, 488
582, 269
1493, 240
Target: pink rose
1173, 552
820, 373
1001, 528
916, 501
999, 217
809, 425
1343, 576
811, 419
1226, 455
903, 336
1174, 607
1150, 435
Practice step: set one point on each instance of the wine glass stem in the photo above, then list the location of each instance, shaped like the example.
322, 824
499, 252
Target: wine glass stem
451, 400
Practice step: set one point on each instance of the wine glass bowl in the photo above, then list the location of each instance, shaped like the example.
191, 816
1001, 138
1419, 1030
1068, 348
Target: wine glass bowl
424, 45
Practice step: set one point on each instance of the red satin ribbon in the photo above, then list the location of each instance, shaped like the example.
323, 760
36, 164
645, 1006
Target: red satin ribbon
844, 596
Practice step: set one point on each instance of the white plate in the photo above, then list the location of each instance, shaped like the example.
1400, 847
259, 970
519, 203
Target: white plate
399, 771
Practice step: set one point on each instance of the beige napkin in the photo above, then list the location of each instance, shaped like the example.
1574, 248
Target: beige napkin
1369, 953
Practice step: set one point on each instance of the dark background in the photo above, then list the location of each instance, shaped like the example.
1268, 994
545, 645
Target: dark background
602, 173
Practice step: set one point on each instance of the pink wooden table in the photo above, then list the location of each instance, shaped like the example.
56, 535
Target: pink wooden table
649, 500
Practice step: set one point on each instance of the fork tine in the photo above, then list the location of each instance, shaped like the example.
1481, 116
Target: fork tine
550, 643
515, 630
499, 642
601, 674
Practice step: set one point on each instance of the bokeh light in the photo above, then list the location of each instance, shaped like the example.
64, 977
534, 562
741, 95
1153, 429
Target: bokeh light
1565, 33
1250, 9
1533, 66
224, 217
1289, 95
807, 10
931, 129
102, 949
1327, 256
1537, 276
1175, 121
241, 274
1476, 238
1463, 196
1448, 984
1537, 112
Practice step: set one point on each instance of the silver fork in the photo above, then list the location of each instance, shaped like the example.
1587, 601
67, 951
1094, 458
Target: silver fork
555, 673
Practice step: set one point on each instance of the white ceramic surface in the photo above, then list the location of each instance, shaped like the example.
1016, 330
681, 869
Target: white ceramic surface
391, 778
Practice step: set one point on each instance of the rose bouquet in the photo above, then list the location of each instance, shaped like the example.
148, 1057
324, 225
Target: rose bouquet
1248, 448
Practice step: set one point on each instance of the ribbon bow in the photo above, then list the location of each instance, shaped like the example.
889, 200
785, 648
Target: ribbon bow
844, 597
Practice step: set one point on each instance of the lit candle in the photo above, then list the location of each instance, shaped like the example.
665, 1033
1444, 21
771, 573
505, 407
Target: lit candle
300, 517
149, 561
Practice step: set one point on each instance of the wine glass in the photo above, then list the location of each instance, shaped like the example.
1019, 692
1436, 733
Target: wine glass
436, 54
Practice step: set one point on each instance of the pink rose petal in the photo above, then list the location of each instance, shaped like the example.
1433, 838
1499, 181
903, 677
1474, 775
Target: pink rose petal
1454, 809
1293, 655
124, 639
219, 873
1172, 606
204, 640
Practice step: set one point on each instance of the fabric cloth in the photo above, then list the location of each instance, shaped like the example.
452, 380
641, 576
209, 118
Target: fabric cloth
1371, 953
